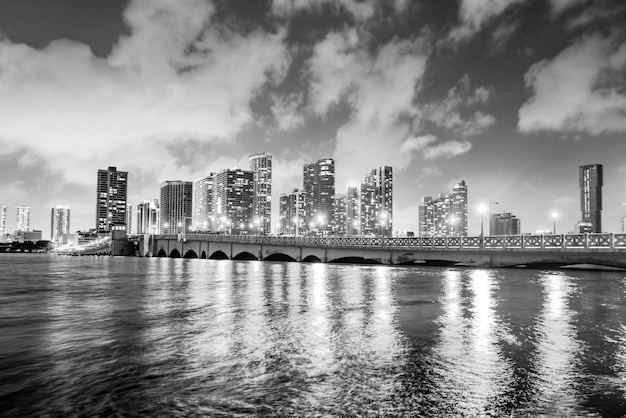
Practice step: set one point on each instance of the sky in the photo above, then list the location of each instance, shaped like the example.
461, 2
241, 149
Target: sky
511, 96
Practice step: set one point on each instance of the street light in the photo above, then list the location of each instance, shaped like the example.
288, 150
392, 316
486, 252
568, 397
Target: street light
554, 216
482, 209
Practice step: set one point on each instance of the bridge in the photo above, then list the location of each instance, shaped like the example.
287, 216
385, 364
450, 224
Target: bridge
534, 251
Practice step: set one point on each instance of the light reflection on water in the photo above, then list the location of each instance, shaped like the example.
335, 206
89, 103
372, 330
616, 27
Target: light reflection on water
132, 336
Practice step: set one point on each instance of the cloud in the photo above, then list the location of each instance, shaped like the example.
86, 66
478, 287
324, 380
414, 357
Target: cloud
474, 14
417, 143
361, 10
173, 78
447, 149
559, 6
288, 111
579, 90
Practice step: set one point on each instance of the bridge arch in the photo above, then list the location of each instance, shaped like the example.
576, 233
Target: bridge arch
191, 254
244, 255
175, 253
218, 255
279, 257
354, 260
311, 259
161, 253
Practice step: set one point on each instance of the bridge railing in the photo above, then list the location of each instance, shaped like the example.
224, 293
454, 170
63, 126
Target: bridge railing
499, 242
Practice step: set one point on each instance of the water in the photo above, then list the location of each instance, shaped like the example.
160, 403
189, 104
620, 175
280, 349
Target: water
87, 336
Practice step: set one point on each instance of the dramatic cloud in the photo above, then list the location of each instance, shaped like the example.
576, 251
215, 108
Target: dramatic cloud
361, 10
447, 149
581, 89
559, 6
474, 14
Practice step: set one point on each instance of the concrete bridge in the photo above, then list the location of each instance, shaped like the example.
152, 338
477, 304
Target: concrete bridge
535, 251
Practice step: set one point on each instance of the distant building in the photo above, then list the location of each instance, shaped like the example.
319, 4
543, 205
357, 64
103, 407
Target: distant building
445, 215
622, 223
583, 227
338, 226
233, 202
22, 221
504, 224
3, 223
591, 182
149, 217
381, 179
129, 218
112, 191
22, 236
319, 189
353, 209
261, 166
176, 206
202, 212
59, 223
291, 213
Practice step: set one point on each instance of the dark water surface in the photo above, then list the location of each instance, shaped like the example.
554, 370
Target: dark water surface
86, 336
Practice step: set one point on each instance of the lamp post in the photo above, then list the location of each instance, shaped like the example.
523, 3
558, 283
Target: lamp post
554, 216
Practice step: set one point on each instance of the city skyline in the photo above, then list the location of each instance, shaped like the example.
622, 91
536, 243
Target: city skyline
512, 98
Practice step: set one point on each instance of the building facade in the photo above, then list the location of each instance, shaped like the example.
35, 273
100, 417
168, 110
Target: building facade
22, 219
3, 223
445, 215
149, 217
591, 180
339, 225
381, 179
233, 202
504, 224
59, 223
319, 189
175, 211
261, 167
203, 216
291, 213
111, 196
129, 218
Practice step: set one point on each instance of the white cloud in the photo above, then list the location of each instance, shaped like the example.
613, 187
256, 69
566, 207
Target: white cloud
417, 143
361, 10
288, 111
576, 91
559, 6
474, 14
447, 149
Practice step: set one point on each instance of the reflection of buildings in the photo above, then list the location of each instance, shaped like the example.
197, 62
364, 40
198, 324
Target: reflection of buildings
445, 215
148, 217
233, 201
111, 196
319, 190
59, 222
22, 221
504, 224
591, 182
175, 206
261, 166
291, 213
202, 215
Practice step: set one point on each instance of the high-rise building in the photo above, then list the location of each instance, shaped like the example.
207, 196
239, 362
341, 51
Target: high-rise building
3, 223
112, 189
129, 218
353, 222
622, 223
368, 210
176, 206
445, 215
23, 218
291, 213
233, 192
59, 223
591, 182
339, 218
149, 217
203, 203
319, 189
261, 166
504, 224
381, 179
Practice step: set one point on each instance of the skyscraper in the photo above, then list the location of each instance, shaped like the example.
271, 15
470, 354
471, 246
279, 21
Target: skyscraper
261, 166
445, 215
112, 189
202, 213
291, 213
353, 222
23, 218
3, 223
381, 179
339, 218
233, 202
591, 182
149, 217
504, 224
129, 218
176, 206
59, 222
319, 189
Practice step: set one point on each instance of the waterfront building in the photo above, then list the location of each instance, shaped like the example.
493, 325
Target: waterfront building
23, 236
176, 196
353, 223
339, 225
504, 224
233, 199
203, 216
622, 223
3, 223
149, 217
381, 179
445, 215
129, 218
59, 223
111, 196
291, 213
261, 167
22, 221
591, 182
319, 189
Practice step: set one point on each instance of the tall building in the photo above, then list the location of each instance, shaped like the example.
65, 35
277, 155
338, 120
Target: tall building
175, 206
445, 215
381, 179
202, 214
368, 210
591, 182
233, 192
339, 218
129, 218
261, 167
3, 223
622, 223
59, 222
23, 218
291, 213
112, 189
149, 217
504, 224
353, 222
319, 189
